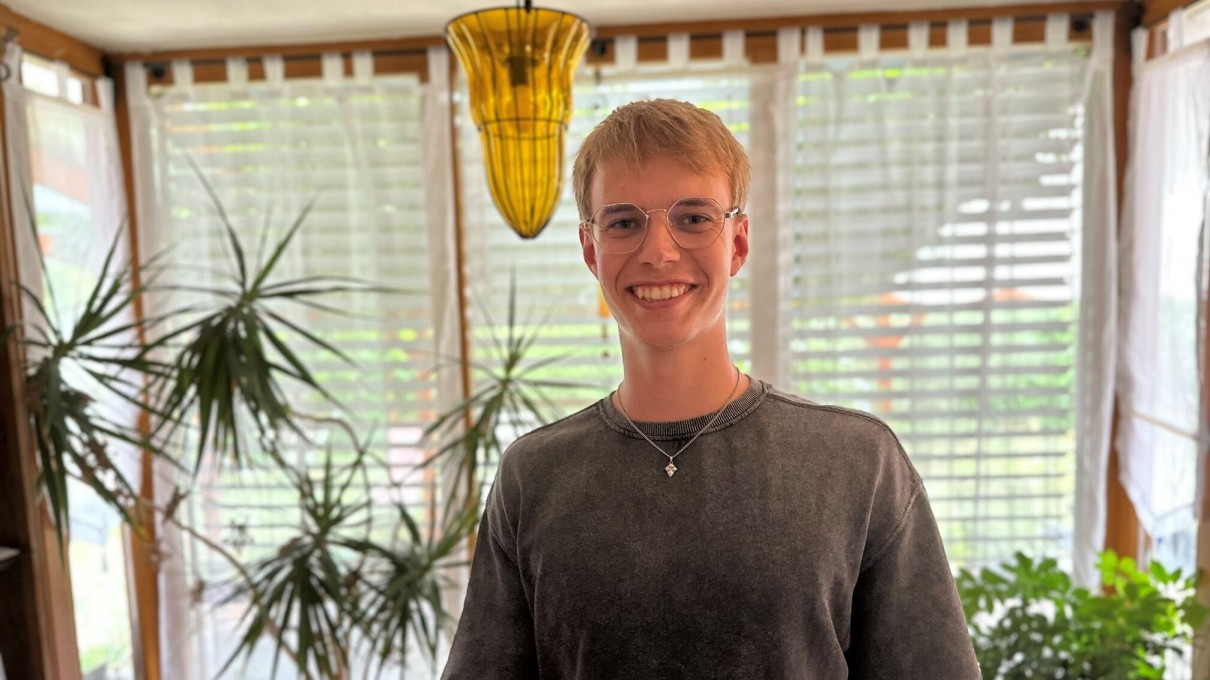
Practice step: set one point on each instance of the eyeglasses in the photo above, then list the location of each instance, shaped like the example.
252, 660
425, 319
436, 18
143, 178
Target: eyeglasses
694, 223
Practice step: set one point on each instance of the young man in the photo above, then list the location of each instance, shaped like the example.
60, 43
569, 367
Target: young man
698, 523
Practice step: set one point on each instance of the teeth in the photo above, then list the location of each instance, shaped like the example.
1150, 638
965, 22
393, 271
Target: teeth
657, 293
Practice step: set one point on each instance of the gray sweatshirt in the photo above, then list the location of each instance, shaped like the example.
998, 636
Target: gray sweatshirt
794, 541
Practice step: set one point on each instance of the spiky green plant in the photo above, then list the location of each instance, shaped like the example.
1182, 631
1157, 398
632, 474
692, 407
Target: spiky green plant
234, 360
506, 391
335, 584
401, 586
72, 435
301, 588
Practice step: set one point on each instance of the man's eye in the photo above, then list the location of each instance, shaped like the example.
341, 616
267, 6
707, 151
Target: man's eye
695, 220
623, 224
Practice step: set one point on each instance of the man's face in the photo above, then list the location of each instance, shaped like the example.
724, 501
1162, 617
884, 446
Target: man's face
664, 296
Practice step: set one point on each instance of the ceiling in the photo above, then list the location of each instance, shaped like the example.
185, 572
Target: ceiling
159, 25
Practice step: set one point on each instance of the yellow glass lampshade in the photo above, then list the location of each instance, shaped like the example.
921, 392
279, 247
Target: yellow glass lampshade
519, 64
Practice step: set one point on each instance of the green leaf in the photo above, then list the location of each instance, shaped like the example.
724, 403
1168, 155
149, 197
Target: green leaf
280, 248
232, 237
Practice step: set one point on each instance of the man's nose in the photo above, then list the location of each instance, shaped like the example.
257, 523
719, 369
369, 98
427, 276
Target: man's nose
659, 247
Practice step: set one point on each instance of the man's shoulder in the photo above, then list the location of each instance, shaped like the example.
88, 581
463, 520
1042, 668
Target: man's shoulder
554, 437
854, 439
826, 419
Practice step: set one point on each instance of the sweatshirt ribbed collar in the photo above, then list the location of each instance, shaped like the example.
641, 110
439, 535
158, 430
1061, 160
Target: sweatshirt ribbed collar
683, 429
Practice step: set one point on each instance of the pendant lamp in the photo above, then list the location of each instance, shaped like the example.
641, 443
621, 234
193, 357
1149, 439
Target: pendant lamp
519, 63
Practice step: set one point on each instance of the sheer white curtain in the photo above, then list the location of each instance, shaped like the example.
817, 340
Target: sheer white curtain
933, 240
372, 150
1162, 436
65, 175
937, 247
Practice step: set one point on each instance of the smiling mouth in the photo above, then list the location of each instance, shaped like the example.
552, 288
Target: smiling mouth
660, 293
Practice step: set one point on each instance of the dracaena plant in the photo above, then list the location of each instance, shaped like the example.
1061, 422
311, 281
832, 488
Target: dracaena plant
219, 369
339, 585
231, 368
509, 393
223, 367
66, 366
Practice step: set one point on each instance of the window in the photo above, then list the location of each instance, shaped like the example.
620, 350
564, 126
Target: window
54, 79
925, 262
935, 278
268, 148
68, 184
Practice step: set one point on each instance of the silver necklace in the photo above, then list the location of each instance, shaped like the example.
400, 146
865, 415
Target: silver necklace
671, 467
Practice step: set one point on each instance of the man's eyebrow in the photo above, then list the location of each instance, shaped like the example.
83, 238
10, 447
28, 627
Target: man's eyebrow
614, 208
694, 201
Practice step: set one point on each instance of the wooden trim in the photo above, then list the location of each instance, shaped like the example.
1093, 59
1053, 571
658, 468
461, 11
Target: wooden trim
37, 637
54, 45
301, 61
25, 646
403, 55
143, 578
1157, 11
1155, 20
220, 54
762, 48
1201, 638
840, 31
141, 542
310, 66
771, 25
464, 334
1122, 528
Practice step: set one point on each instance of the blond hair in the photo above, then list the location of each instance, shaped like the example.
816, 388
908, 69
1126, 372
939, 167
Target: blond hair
641, 131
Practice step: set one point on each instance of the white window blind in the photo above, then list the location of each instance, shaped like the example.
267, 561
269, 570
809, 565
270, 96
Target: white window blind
935, 278
557, 297
268, 148
923, 216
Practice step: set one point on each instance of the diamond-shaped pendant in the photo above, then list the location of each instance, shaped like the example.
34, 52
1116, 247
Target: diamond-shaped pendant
671, 469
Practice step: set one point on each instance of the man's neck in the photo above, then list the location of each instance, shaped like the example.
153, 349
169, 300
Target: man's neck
677, 384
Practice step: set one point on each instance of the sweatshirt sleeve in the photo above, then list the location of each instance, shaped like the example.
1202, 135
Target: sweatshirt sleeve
495, 637
907, 620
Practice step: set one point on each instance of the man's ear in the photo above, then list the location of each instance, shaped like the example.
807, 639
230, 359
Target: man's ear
590, 251
739, 244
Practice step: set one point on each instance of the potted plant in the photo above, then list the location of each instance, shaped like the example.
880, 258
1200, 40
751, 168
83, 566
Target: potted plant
1027, 620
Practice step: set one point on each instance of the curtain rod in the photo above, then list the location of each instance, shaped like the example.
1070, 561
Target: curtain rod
153, 64
1080, 23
